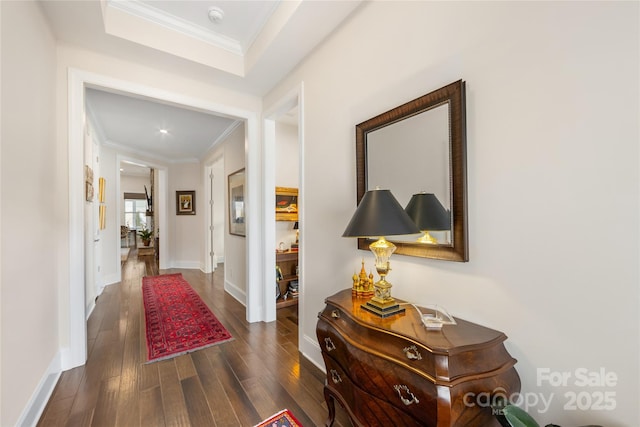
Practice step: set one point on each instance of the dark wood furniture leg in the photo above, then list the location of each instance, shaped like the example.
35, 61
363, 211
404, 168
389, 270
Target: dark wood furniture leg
331, 405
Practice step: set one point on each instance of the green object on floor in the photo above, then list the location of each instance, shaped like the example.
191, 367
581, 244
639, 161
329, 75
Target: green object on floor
517, 417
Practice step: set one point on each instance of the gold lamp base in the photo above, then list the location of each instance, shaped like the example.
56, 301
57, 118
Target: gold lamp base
387, 311
382, 303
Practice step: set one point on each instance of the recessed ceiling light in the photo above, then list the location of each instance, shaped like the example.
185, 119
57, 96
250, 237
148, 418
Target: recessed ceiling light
164, 131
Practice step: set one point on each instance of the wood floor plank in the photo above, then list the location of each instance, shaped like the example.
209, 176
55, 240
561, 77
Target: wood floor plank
185, 367
81, 418
233, 384
128, 409
219, 404
68, 384
87, 394
151, 413
107, 403
175, 408
260, 396
148, 376
58, 413
241, 403
197, 405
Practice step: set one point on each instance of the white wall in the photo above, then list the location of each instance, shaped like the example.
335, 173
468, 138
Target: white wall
231, 153
30, 227
110, 236
552, 126
91, 223
235, 247
188, 241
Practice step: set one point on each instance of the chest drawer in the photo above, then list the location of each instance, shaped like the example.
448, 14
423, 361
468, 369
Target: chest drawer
370, 410
391, 346
393, 382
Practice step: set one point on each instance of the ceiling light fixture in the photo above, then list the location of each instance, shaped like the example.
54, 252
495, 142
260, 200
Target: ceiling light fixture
215, 14
164, 131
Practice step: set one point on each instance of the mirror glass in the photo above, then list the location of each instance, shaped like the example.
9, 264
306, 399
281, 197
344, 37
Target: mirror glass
420, 147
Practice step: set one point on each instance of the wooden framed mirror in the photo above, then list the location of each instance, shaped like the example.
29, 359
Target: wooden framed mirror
420, 146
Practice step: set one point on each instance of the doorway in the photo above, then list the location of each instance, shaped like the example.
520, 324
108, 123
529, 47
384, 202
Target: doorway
288, 111
74, 325
215, 214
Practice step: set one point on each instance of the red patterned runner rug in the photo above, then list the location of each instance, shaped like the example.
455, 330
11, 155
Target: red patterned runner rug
177, 320
283, 418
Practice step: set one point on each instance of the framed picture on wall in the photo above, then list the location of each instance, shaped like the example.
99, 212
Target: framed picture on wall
185, 202
286, 204
101, 189
88, 191
237, 224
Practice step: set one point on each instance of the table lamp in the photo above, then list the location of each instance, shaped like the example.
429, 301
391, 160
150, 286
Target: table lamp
378, 215
429, 215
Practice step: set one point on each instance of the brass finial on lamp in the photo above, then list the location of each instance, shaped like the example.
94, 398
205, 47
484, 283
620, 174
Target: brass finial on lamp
378, 215
429, 215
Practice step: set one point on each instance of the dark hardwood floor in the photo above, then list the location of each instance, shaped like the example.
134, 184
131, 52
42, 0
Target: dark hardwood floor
238, 383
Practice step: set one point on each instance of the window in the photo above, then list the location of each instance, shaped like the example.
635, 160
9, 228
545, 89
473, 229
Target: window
135, 212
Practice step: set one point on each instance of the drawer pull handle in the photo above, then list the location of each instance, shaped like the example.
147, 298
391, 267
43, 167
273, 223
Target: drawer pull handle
329, 344
412, 353
335, 377
335, 314
410, 399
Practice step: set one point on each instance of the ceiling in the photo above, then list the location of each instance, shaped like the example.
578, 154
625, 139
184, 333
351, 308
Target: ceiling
249, 49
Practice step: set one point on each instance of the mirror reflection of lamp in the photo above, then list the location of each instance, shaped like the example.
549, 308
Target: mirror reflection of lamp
429, 215
378, 215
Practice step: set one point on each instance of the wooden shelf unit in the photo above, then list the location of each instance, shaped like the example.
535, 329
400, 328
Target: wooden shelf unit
288, 263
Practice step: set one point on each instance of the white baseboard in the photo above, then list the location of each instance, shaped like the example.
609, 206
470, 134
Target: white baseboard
310, 349
110, 279
89, 309
35, 407
235, 292
195, 265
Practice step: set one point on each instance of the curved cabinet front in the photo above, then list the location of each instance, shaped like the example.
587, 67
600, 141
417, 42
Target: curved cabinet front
392, 371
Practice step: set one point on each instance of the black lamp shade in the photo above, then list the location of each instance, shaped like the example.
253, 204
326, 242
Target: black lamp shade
428, 213
378, 215
295, 225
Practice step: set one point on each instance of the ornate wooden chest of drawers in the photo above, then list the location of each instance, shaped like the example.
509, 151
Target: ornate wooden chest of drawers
394, 372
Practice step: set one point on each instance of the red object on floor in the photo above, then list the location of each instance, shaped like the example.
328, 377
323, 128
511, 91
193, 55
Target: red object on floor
283, 418
177, 320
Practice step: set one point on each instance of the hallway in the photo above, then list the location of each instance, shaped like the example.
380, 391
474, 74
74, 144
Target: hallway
238, 383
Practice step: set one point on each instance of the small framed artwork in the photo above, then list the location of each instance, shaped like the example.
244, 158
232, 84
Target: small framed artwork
185, 202
101, 189
286, 204
88, 191
103, 217
88, 174
237, 224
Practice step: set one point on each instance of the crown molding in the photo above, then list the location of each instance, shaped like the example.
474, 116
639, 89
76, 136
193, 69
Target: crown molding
124, 149
166, 20
224, 135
